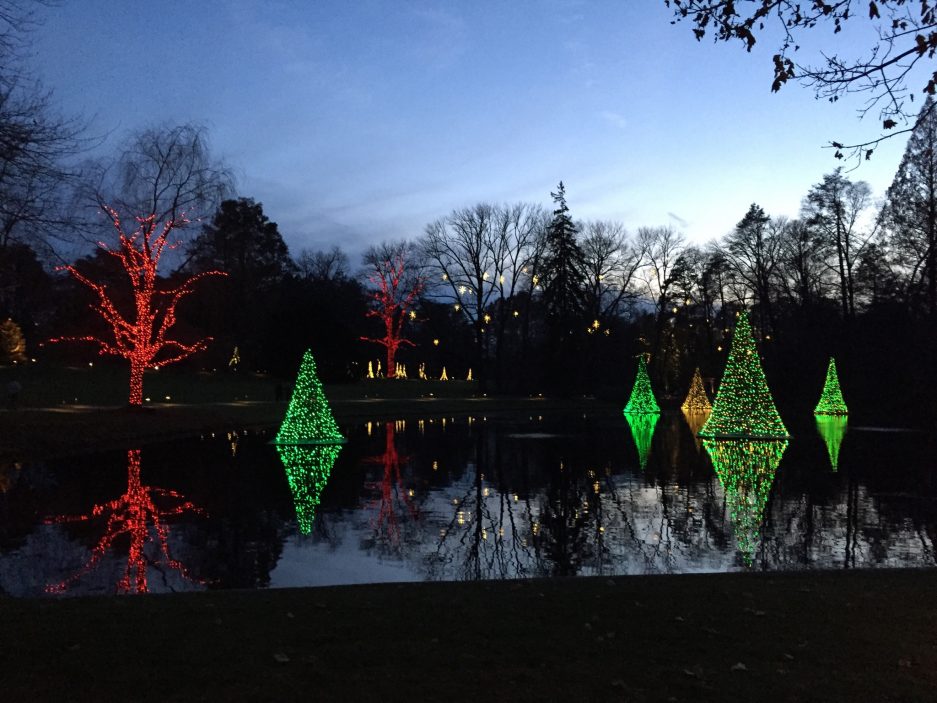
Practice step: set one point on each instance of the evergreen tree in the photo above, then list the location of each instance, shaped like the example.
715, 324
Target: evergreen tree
696, 399
12, 342
642, 398
910, 211
744, 407
831, 398
563, 268
308, 418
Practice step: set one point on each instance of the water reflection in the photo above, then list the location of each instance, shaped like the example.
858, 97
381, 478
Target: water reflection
308, 467
642, 431
696, 420
130, 517
395, 504
746, 470
832, 429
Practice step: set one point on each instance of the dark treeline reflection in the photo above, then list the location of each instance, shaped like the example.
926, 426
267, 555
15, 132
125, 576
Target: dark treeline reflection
467, 498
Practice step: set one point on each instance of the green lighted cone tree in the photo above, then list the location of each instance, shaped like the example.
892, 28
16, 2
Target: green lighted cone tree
642, 430
746, 470
308, 418
696, 400
642, 395
744, 407
832, 429
831, 399
307, 472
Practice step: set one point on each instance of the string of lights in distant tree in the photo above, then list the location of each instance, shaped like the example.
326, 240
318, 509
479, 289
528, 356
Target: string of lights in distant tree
131, 515
392, 299
308, 418
746, 470
831, 398
142, 337
642, 398
744, 407
696, 399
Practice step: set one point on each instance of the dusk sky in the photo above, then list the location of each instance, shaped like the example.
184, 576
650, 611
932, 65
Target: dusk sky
354, 122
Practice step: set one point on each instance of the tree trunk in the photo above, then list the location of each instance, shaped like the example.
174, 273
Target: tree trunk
136, 382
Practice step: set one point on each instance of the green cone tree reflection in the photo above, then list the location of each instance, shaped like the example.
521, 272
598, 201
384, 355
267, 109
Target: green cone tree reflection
308, 418
696, 399
831, 399
744, 407
308, 467
746, 470
832, 429
642, 395
642, 430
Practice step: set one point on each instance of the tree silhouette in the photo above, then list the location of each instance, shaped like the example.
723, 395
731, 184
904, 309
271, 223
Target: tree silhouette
141, 335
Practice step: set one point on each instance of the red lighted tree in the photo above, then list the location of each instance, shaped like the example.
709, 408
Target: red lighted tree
141, 334
131, 515
396, 283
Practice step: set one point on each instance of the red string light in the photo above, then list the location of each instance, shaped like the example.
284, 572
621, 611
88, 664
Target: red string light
391, 303
142, 336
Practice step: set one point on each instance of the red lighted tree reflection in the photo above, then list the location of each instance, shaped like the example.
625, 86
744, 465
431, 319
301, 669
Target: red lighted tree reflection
394, 499
131, 515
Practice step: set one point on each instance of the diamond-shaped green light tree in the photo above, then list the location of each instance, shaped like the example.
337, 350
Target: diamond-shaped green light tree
642, 395
696, 400
831, 399
642, 430
308, 418
832, 429
744, 407
746, 470
307, 471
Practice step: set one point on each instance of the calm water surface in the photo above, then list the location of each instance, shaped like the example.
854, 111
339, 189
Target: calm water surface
467, 498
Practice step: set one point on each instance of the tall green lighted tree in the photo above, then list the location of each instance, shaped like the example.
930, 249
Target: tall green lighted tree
746, 470
696, 399
307, 472
642, 395
308, 418
744, 407
642, 430
832, 429
831, 399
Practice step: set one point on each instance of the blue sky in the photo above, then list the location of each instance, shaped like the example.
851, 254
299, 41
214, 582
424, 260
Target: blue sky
356, 121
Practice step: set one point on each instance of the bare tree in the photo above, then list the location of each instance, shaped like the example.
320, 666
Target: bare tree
802, 269
612, 260
322, 265
753, 251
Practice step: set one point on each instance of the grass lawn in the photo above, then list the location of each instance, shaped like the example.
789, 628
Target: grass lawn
834, 636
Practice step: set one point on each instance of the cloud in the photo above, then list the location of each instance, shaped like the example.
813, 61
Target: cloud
614, 119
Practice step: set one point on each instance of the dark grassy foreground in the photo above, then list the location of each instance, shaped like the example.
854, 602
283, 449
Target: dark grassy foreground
848, 636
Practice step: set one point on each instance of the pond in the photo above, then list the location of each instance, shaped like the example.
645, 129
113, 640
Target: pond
467, 498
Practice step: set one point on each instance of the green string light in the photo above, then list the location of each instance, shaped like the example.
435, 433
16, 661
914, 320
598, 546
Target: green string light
746, 470
832, 429
642, 431
308, 418
307, 472
642, 395
831, 399
696, 400
744, 407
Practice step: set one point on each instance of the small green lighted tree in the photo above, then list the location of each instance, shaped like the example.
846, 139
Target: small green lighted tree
642, 395
307, 472
831, 399
832, 429
744, 407
308, 418
642, 430
746, 470
696, 400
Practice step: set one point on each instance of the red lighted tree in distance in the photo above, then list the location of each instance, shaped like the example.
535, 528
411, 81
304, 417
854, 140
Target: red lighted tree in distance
131, 515
396, 286
141, 335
